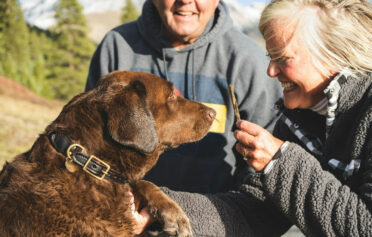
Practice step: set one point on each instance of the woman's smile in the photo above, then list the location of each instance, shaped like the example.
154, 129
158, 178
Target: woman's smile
288, 86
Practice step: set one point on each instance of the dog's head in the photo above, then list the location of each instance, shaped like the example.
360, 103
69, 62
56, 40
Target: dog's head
144, 112
132, 114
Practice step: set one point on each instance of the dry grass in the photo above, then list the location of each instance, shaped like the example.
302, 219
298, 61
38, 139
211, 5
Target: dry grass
22, 119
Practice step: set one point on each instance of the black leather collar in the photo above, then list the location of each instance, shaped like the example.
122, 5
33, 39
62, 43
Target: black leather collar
90, 164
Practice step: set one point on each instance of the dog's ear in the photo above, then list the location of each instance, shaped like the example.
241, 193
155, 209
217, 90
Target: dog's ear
130, 121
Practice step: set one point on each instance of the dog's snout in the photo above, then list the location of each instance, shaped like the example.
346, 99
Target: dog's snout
211, 114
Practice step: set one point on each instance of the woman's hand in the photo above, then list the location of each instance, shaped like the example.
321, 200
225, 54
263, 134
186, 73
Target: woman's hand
256, 144
142, 219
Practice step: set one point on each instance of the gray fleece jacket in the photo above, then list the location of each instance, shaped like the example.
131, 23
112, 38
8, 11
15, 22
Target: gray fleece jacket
321, 182
201, 71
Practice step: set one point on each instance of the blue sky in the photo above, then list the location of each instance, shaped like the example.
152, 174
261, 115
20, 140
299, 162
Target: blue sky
243, 2
249, 2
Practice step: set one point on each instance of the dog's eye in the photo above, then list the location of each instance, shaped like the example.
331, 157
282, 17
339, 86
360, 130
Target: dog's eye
172, 97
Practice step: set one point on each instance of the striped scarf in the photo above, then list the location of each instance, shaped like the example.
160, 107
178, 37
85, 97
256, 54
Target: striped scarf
315, 145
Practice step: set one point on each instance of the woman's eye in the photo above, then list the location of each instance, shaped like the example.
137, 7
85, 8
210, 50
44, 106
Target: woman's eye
268, 55
280, 59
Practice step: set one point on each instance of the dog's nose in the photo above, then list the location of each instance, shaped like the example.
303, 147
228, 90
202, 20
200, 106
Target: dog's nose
211, 113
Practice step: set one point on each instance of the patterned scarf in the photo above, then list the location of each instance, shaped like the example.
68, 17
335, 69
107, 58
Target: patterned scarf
315, 145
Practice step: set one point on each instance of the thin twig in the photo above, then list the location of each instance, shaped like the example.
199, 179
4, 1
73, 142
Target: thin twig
235, 104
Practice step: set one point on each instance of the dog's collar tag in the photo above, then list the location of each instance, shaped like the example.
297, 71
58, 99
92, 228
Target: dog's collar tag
69, 163
70, 166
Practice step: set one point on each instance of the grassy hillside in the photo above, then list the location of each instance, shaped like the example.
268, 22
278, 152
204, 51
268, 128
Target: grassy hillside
23, 116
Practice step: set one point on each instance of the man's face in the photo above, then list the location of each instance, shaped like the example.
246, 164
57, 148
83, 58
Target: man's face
185, 20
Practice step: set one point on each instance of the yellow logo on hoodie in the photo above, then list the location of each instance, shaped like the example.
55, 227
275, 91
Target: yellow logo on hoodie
219, 122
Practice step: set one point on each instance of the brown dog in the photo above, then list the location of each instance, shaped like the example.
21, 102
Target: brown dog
76, 178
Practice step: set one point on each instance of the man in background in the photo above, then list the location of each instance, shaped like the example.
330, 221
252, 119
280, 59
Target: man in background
193, 44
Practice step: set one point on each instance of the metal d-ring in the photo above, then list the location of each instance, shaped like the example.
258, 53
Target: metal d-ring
73, 146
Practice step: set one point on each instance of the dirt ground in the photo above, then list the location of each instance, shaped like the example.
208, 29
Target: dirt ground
23, 116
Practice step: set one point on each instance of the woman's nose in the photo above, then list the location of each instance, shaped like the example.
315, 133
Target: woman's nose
272, 69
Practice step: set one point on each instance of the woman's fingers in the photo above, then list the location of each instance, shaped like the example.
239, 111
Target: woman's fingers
256, 144
244, 138
242, 149
142, 219
250, 128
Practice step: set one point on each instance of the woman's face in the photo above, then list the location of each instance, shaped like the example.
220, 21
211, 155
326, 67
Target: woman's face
185, 20
302, 83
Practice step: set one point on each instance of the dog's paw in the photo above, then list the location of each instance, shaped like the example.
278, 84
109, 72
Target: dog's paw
174, 221
177, 226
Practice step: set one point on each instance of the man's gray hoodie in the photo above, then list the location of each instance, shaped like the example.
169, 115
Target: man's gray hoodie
201, 71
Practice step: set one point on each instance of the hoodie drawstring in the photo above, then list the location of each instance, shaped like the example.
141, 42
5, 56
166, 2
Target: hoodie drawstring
192, 71
193, 75
165, 66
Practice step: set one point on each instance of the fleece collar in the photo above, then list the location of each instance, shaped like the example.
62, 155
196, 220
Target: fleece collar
342, 93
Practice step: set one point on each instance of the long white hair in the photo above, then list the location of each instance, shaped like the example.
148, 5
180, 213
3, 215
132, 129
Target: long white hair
337, 33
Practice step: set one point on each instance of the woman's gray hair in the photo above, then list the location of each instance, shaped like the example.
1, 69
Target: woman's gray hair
337, 33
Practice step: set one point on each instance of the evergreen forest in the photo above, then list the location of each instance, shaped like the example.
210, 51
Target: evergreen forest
53, 63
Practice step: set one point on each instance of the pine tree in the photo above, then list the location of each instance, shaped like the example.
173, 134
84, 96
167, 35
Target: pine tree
38, 51
130, 12
74, 50
15, 60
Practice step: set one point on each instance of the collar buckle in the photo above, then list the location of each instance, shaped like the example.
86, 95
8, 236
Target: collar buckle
76, 154
97, 160
106, 167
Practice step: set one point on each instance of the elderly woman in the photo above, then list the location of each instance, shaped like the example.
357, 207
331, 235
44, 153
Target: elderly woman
315, 171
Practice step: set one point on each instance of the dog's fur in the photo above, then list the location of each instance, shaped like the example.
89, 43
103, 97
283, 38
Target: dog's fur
127, 121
